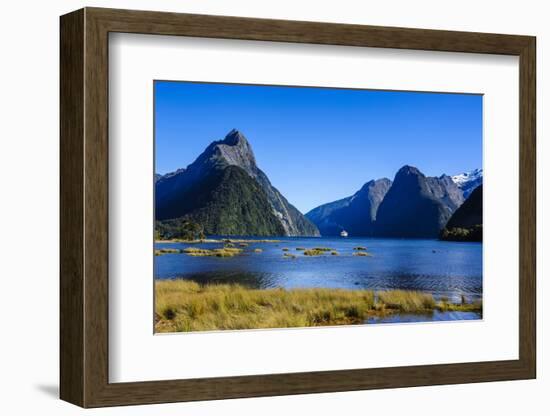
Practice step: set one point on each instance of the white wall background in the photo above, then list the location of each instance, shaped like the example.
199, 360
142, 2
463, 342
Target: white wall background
29, 207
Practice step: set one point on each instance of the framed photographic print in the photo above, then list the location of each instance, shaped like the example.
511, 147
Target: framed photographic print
256, 207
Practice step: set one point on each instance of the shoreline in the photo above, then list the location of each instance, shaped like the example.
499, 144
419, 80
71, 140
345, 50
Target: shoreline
185, 306
217, 240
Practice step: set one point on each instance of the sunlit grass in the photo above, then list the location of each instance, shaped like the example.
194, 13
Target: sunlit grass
217, 252
183, 305
317, 251
186, 306
406, 300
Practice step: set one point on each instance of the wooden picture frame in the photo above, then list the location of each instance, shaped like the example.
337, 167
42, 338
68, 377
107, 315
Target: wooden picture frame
84, 207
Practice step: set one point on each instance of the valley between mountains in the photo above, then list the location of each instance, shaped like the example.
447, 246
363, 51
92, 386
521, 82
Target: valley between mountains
224, 192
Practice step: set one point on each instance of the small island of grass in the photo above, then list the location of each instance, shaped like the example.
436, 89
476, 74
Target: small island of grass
162, 251
362, 254
217, 252
317, 251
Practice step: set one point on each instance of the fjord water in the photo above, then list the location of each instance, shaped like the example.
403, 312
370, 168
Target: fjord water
449, 269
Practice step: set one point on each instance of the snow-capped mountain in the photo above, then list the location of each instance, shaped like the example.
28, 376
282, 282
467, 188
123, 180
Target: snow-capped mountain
468, 181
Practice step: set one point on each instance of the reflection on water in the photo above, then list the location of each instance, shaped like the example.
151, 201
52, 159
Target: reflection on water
443, 268
435, 316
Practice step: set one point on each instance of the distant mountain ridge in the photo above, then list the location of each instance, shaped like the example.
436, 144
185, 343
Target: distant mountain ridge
417, 206
468, 181
225, 192
248, 197
413, 205
356, 213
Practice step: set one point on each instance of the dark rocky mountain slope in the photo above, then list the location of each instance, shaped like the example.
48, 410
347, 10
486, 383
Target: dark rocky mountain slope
355, 214
417, 206
227, 193
466, 224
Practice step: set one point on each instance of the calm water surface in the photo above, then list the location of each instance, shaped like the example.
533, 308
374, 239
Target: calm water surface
443, 268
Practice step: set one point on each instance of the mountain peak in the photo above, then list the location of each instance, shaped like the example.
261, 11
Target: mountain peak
234, 138
468, 181
408, 170
234, 149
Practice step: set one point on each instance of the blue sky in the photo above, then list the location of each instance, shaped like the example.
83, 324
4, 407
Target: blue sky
318, 144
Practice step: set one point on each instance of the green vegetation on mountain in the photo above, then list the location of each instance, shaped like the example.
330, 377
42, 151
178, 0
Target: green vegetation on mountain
466, 224
226, 202
474, 233
180, 228
225, 193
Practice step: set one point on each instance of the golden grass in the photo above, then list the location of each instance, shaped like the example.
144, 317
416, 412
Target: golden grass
186, 306
167, 251
334, 253
314, 252
183, 305
258, 250
459, 307
217, 252
405, 301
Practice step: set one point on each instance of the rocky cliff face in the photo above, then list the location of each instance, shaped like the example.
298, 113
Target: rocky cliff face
355, 214
468, 181
413, 206
173, 192
417, 206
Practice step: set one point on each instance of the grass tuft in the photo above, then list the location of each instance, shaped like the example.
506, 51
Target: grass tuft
183, 305
167, 251
217, 252
317, 251
407, 300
